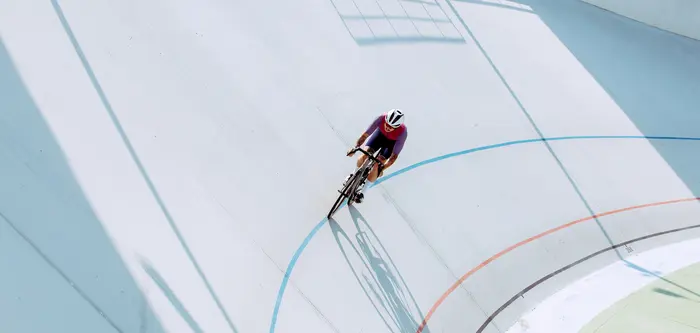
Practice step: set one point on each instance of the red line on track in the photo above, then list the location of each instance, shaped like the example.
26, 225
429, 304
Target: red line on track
530, 240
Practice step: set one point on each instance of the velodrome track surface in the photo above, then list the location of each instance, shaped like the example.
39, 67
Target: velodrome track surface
165, 166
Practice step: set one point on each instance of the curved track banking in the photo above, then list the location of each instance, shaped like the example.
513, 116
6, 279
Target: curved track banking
167, 159
588, 257
318, 226
543, 234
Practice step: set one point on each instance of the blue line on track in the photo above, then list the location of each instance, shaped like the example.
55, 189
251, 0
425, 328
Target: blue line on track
320, 224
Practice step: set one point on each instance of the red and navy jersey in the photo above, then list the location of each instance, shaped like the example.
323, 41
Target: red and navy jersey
398, 134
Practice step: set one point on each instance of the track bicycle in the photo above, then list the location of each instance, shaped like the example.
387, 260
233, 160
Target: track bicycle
360, 175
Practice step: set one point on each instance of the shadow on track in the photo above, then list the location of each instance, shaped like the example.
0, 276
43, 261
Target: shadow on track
378, 276
58, 263
137, 161
652, 75
170, 294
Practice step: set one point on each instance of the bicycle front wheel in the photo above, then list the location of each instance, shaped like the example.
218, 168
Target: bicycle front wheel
346, 191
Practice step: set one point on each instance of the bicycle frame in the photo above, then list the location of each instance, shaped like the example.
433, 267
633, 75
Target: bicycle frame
357, 178
372, 157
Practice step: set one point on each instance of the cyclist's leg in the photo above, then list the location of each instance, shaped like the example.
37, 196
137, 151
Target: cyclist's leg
372, 177
376, 142
373, 143
383, 156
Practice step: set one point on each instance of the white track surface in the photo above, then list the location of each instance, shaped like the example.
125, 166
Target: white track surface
165, 166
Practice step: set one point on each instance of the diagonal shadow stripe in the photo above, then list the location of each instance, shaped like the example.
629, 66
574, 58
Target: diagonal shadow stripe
170, 294
117, 124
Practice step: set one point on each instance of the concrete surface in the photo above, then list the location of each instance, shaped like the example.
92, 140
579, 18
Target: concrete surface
166, 165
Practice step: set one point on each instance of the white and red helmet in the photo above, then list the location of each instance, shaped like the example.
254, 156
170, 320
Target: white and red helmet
394, 118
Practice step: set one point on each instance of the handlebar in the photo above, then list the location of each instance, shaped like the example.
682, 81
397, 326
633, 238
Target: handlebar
381, 165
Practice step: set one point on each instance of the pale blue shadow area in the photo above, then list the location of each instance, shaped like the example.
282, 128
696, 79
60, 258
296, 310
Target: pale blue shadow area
137, 161
652, 75
60, 270
170, 294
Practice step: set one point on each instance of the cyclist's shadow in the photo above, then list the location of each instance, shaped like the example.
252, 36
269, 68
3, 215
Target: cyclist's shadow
379, 278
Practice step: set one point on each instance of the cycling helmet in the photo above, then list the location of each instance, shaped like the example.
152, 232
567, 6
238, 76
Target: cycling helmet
394, 118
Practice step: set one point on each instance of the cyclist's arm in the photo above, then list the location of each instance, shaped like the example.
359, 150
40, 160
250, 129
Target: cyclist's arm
361, 140
372, 127
397, 149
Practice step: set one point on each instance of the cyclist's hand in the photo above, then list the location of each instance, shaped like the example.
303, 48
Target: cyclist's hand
350, 152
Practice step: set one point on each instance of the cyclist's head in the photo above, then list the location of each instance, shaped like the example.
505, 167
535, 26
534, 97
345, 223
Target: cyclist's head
394, 118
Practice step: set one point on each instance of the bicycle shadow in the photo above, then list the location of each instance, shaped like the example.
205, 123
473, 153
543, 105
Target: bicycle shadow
379, 277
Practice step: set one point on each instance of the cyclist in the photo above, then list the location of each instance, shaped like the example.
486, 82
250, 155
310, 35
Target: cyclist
388, 133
